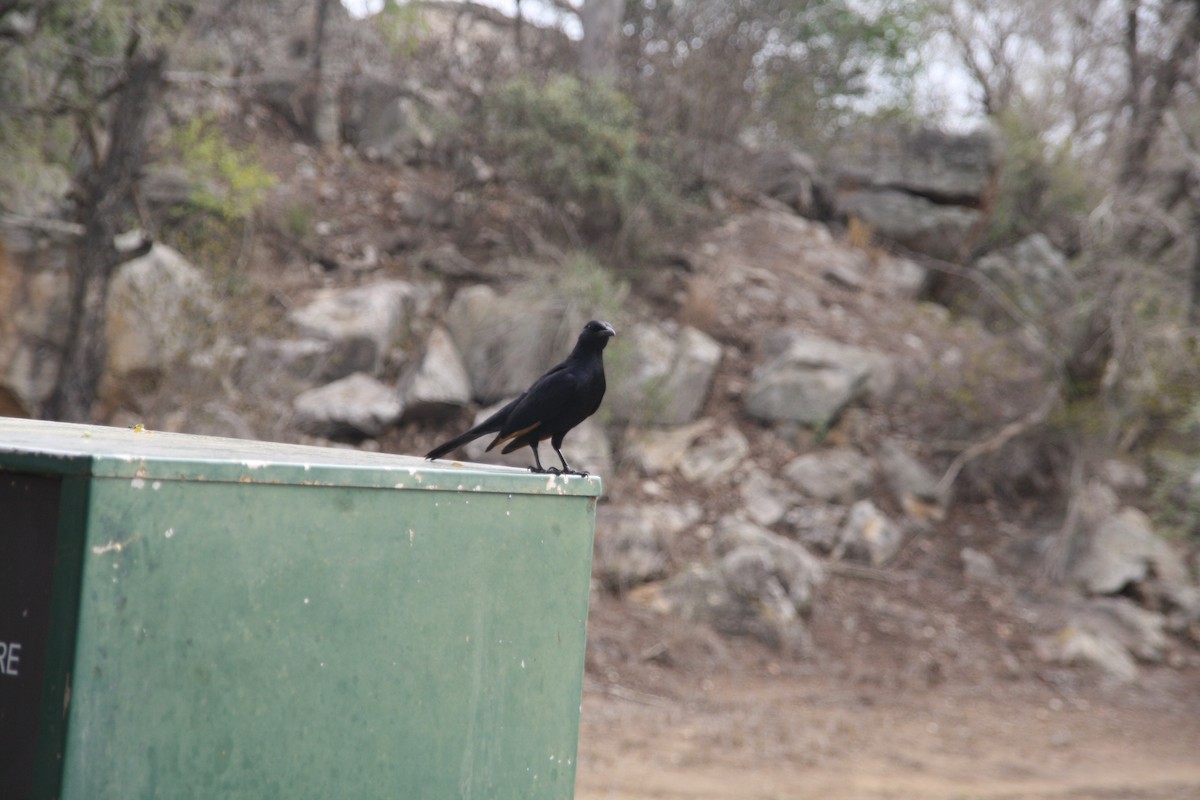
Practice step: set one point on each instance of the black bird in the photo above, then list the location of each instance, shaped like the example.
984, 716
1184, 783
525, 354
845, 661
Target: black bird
555, 403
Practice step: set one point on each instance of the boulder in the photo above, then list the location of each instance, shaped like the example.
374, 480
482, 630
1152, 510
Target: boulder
714, 457
356, 406
1035, 276
896, 276
1122, 550
1112, 634
159, 306
816, 525
790, 176
278, 366
914, 487
1074, 645
868, 535
834, 475
631, 542
760, 585
810, 381
949, 168
672, 379
362, 323
506, 346
438, 383
799, 572
915, 222
385, 119
765, 498
656, 451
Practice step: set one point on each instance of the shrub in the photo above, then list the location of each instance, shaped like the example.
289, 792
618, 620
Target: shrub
577, 146
227, 181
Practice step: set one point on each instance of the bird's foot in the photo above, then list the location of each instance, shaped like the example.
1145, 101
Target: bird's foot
538, 470
580, 473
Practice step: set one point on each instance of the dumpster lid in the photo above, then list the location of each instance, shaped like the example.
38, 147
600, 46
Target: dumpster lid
72, 449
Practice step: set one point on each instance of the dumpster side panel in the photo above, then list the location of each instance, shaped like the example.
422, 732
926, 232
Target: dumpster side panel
417, 644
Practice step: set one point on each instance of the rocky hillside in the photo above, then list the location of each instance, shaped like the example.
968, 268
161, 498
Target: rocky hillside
793, 419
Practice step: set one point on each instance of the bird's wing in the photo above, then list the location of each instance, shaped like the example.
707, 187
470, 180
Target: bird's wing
540, 407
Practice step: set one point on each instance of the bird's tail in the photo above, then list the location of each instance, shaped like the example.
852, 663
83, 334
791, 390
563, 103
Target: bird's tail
454, 444
490, 425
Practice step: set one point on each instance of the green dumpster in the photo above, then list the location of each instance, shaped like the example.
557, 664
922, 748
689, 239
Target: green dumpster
186, 616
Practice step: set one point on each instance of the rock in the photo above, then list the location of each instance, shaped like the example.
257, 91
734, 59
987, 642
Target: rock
159, 305
386, 120
1074, 645
915, 222
1112, 634
895, 276
799, 572
978, 566
810, 381
505, 346
816, 525
759, 586
355, 406
914, 487
1183, 608
868, 535
1035, 276
1122, 550
949, 168
834, 475
658, 451
362, 323
1122, 476
765, 498
791, 177
631, 542
446, 261
714, 457
672, 379
1140, 631
274, 366
438, 383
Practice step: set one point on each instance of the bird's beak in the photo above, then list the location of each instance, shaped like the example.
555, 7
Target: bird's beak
609, 331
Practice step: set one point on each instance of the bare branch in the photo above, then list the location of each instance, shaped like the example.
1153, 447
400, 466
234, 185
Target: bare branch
997, 440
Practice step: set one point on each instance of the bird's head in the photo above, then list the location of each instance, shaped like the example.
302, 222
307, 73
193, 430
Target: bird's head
597, 333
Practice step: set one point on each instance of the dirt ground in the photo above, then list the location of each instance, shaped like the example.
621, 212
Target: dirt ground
919, 684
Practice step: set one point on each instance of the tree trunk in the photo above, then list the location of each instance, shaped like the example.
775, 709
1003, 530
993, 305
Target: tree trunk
1148, 112
105, 190
601, 37
321, 103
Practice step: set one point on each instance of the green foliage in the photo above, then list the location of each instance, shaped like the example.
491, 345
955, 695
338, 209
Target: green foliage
798, 69
835, 54
576, 144
297, 221
1043, 186
1174, 496
401, 25
228, 182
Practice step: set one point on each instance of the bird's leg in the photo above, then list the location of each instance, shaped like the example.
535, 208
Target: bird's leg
566, 468
539, 468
